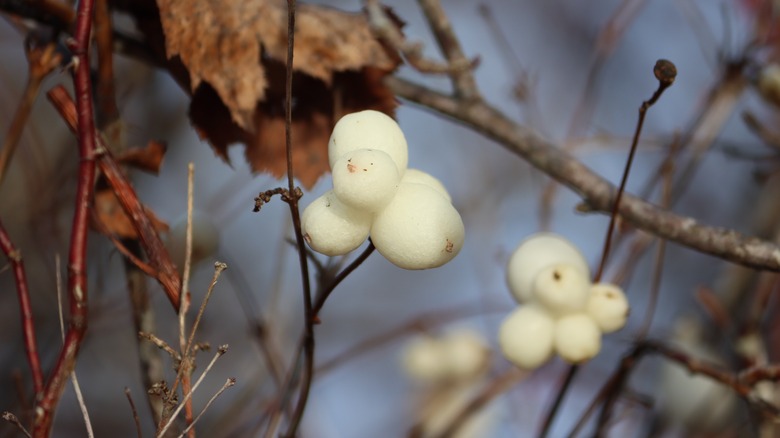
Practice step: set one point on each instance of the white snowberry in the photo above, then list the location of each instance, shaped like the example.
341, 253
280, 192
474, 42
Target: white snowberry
577, 338
536, 253
419, 229
332, 228
561, 289
365, 179
466, 353
526, 336
419, 177
608, 306
368, 130
423, 359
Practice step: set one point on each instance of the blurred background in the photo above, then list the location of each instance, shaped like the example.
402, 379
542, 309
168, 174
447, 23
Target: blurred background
574, 72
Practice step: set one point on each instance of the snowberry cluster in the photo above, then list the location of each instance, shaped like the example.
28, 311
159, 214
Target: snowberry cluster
561, 311
407, 213
455, 356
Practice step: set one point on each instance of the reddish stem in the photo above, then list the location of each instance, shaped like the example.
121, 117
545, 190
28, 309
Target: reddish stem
22, 290
158, 256
77, 278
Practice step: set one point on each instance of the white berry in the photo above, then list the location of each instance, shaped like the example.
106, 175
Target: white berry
419, 177
368, 130
608, 306
526, 336
536, 253
423, 359
561, 289
332, 228
577, 338
419, 229
465, 354
365, 179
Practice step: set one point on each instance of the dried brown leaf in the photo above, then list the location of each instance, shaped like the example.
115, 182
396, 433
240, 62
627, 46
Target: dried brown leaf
223, 41
148, 158
114, 220
235, 52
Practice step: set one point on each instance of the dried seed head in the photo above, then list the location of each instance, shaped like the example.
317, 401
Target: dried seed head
665, 71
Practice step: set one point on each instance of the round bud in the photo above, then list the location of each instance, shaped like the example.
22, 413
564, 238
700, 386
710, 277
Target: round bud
561, 289
526, 336
665, 71
368, 130
365, 179
419, 229
608, 306
535, 253
205, 239
577, 338
419, 177
332, 228
424, 359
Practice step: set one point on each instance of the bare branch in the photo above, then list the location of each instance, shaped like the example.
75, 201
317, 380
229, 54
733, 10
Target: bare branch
595, 190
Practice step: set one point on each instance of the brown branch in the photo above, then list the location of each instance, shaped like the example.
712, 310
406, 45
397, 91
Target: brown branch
150, 240
597, 192
25, 309
741, 383
42, 61
323, 294
77, 263
462, 79
307, 343
388, 31
105, 95
136, 420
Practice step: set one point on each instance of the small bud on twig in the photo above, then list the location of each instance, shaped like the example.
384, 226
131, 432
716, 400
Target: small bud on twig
665, 71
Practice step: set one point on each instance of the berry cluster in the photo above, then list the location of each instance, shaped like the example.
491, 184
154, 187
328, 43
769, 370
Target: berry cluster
407, 213
455, 356
562, 311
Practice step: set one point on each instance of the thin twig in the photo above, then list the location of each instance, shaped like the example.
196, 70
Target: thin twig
185, 280
560, 394
136, 420
323, 295
218, 268
308, 314
186, 365
159, 343
25, 308
665, 72
228, 383
220, 351
388, 31
42, 61
11, 418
